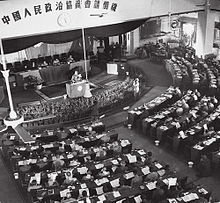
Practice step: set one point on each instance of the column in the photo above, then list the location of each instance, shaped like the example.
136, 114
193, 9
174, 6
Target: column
5, 73
205, 32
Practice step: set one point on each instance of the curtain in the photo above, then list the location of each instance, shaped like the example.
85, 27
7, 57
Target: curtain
47, 50
17, 44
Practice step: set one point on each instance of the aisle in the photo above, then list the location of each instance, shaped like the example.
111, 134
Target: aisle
9, 192
156, 73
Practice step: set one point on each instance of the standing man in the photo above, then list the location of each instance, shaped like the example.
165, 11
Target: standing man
136, 86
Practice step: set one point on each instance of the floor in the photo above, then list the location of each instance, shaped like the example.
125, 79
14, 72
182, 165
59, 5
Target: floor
159, 80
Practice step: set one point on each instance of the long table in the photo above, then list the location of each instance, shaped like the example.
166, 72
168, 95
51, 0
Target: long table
52, 74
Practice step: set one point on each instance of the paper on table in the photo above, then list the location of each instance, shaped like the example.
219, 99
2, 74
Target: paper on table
145, 170
64, 192
47, 146
99, 190
151, 185
124, 143
115, 183
172, 181
172, 201
102, 198
115, 162
205, 127
158, 165
20, 163
182, 134
190, 197
161, 172
203, 191
83, 185
38, 178
132, 158
69, 156
177, 125
98, 166
138, 199
12, 137
129, 175
116, 194
101, 181
50, 133
82, 170
72, 130
121, 201
86, 139
141, 152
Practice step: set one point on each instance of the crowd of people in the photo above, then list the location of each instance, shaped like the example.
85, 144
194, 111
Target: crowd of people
70, 109
89, 164
190, 122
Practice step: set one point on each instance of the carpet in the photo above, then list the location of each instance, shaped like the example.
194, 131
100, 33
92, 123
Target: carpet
21, 96
54, 91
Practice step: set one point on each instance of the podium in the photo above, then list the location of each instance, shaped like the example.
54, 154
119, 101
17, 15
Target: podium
112, 68
75, 90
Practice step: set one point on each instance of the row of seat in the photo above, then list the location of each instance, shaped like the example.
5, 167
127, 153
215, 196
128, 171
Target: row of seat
33, 63
84, 163
184, 123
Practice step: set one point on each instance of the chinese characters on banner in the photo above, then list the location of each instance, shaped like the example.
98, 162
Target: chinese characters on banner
57, 6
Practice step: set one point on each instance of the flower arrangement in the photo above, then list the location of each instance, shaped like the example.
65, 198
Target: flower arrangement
33, 81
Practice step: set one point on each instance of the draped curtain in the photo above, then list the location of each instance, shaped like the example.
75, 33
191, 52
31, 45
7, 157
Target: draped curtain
47, 50
17, 56
17, 44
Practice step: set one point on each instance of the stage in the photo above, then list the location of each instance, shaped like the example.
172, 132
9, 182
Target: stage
98, 82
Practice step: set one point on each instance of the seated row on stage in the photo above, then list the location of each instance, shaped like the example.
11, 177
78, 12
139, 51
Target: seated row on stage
52, 74
186, 119
64, 58
87, 164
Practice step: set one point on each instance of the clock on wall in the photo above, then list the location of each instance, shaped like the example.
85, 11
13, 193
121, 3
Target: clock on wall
63, 19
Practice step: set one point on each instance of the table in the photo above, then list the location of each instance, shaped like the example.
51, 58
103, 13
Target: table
81, 64
75, 90
55, 74
52, 74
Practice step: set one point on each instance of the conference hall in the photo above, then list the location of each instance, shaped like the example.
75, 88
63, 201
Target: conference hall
109, 101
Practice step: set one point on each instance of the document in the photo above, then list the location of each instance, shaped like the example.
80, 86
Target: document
64, 192
172, 181
115, 183
102, 198
99, 190
72, 130
131, 158
145, 170
129, 175
116, 194
82, 170
115, 162
151, 185
138, 199
141, 152
99, 166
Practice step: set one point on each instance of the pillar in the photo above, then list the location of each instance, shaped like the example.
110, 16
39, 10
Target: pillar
205, 32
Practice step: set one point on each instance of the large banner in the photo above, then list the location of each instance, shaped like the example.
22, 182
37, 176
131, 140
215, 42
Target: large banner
20, 18
31, 17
